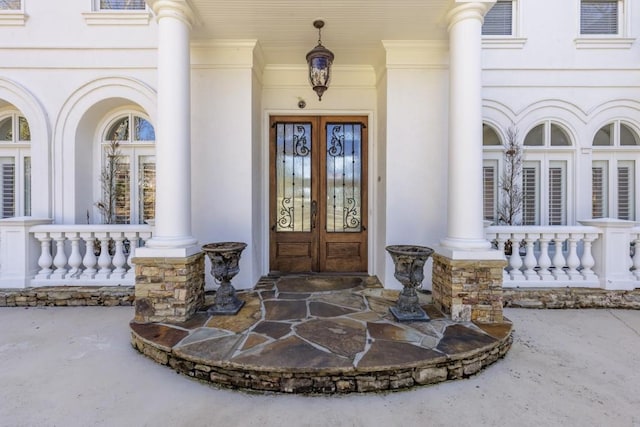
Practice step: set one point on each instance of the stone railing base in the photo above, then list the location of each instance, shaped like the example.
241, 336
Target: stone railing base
69, 296
554, 298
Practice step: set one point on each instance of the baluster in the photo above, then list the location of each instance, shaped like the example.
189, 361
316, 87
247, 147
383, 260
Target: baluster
133, 244
119, 259
636, 257
515, 261
60, 260
558, 257
500, 239
45, 260
75, 259
544, 261
573, 262
89, 261
530, 261
104, 260
587, 258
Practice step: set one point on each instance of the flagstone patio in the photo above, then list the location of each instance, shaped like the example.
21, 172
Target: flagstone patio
315, 334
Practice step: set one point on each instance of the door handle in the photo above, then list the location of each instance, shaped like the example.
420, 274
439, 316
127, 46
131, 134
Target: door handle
314, 213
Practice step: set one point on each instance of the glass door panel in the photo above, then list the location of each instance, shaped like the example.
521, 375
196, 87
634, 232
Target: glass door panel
293, 177
344, 176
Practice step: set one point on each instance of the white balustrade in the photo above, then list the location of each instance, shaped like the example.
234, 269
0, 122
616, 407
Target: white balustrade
88, 254
548, 256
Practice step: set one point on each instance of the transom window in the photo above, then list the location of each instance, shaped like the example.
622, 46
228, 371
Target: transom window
547, 135
120, 5
15, 165
128, 171
499, 20
10, 5
598, 17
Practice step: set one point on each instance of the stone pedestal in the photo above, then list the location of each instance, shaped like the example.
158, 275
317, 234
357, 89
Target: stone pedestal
468, 290
168, 289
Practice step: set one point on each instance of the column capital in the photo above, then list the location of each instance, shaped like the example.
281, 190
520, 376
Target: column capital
182, 10
465, 9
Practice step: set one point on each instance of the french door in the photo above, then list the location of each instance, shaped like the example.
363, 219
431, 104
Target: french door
318, 194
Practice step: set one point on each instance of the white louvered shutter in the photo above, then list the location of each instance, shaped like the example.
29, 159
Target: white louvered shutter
499, 20
489, 184
599, 17
529, 195
599, 186
625, 191
8, 172
557, 210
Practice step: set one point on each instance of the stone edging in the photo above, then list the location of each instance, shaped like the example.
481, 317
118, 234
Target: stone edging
329, 381
558, 298
108, 296
60, 296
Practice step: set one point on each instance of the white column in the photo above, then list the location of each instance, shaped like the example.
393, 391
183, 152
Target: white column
172, 236
465, 222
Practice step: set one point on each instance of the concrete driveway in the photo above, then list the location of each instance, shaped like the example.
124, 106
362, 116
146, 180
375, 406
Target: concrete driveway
75, 367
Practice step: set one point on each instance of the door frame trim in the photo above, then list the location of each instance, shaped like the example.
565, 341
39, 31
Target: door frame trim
372, 173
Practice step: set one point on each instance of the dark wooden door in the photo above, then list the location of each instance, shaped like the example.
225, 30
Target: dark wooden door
318, 194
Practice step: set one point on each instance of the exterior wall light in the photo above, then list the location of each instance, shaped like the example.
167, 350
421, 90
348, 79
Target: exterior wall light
319, 60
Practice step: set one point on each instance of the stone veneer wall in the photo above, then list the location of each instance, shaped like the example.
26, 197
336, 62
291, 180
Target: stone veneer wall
67, 296
168, 289
468, 290
570, 298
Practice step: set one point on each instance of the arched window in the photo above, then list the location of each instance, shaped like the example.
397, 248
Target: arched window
15, 165
128, 171
548, 152
616, 151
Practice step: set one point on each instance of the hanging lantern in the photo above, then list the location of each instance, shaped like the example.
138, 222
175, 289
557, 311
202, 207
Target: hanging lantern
319, 60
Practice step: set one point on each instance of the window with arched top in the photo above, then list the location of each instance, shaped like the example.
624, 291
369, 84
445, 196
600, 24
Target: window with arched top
614, 187
15, 165
492, 155
548, 154
128, 170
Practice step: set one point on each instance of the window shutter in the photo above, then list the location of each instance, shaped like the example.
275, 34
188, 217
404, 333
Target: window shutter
529, 196
599, 190
27, 186
147, 186
599, 17
625, 191
498, 21
8, 188
489, 192
556, 196
122, 195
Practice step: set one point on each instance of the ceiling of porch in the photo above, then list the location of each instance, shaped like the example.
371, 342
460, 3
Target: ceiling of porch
353, 28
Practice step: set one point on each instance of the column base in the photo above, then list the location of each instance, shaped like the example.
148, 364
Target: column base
168, 289
468, 289
455, 243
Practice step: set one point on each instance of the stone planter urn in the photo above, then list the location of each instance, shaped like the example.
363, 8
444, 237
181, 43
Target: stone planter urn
409, 263
225, 257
